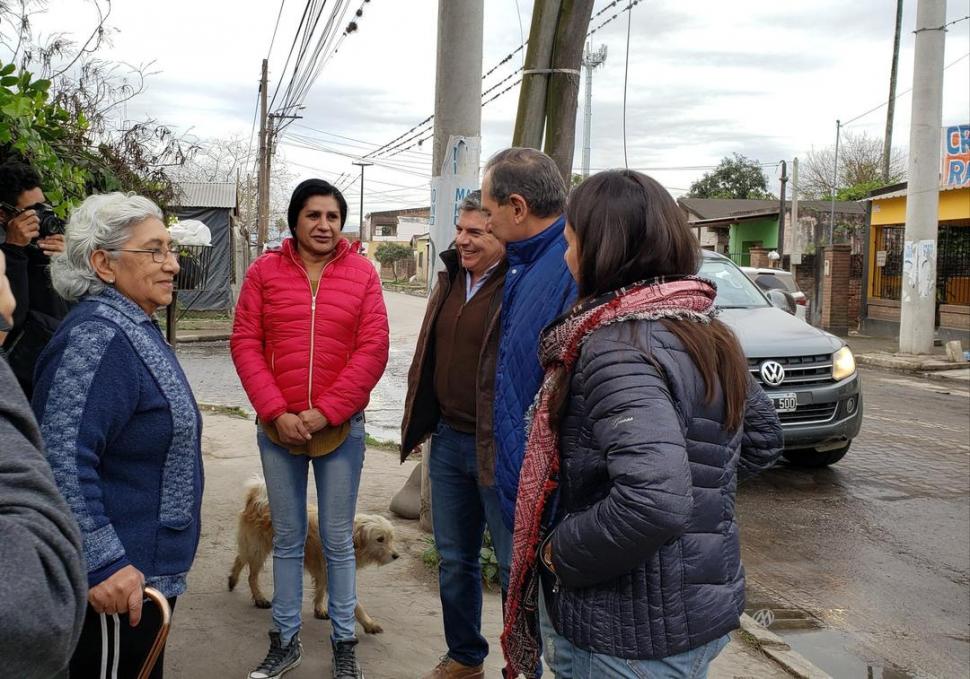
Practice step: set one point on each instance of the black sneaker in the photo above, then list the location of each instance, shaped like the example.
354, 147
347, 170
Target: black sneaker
280, 658
345, 660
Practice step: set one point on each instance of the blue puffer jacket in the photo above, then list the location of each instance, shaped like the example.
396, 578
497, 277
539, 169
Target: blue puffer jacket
538, 288
647, 556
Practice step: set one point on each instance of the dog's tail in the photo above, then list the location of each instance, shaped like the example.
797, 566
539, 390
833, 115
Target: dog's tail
257, 501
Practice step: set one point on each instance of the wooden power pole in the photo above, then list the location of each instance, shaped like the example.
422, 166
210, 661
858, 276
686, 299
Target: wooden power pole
887, 142
562, 93
531, 117
550, 81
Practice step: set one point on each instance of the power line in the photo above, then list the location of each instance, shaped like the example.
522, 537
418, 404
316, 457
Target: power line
904, 92
275, 28
389, 146
626, 73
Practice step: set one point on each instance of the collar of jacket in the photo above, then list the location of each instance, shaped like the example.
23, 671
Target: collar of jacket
452, 261
529, 250
123, 304
289, 250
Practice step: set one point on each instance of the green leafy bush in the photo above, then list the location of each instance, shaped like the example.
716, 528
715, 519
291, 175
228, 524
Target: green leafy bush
487, 559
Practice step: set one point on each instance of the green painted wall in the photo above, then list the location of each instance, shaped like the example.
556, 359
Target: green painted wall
764, 230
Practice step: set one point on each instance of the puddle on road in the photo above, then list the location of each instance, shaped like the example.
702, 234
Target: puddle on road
830, 650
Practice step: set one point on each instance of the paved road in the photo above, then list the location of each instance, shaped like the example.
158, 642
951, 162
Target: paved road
874, 549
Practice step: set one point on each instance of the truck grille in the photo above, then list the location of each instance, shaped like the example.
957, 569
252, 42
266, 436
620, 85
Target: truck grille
800, 371
813, 413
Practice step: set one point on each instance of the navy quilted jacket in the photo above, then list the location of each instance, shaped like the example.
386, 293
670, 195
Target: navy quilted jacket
538, 288
646, 555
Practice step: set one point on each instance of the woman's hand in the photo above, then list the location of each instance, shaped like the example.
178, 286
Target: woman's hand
547, 556
121, 593
313, 420
291, 429
52, 244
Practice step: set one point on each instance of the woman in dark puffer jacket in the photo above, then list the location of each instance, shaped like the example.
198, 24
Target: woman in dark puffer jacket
625, 540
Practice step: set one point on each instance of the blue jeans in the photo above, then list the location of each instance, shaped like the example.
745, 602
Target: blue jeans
571, 662
337, 478
460, 509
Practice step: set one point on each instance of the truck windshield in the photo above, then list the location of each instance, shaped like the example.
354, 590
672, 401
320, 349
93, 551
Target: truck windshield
734, 289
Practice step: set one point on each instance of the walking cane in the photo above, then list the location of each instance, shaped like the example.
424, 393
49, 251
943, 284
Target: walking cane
166, 613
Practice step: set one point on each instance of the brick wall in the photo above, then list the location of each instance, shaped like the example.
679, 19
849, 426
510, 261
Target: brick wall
835, 284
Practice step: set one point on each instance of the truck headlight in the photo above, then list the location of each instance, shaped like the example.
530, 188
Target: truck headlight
843, 364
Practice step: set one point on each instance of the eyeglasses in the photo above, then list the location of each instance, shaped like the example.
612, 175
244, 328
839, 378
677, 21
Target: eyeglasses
159, 255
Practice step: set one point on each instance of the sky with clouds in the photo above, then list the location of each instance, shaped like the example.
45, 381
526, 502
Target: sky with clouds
707, 78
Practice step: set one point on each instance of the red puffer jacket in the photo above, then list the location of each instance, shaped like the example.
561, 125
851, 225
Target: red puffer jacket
294, 350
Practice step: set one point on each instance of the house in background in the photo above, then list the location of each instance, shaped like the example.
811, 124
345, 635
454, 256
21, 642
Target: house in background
734, 227
885, 258
421, 244
216, 205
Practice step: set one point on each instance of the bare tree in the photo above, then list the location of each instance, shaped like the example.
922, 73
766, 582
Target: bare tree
860, 168
232, 158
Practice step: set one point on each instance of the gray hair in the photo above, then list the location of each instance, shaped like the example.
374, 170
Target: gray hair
531, 174
101, 222
472, 202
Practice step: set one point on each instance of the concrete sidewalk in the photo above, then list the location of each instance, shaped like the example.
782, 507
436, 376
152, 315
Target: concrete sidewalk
883, 353
217, 633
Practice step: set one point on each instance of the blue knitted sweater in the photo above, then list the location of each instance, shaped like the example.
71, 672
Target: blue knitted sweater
538, 288
123, 437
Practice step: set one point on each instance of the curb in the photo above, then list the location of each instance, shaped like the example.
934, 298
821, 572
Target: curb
778, 650
190, 338
906, 365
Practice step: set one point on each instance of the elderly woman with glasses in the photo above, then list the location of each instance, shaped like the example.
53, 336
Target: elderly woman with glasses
120, 424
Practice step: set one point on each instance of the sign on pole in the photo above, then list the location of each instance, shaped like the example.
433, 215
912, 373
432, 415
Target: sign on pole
458, 178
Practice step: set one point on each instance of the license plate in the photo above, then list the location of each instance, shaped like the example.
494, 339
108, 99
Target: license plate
786, 403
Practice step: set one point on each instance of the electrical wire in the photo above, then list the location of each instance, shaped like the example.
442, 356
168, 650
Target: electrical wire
275, 28
626, 73
904, 92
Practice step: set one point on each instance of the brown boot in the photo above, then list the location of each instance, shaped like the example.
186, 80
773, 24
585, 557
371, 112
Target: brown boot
449, 668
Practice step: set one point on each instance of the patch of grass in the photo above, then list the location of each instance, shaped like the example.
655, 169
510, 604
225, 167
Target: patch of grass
748, 638
381, 444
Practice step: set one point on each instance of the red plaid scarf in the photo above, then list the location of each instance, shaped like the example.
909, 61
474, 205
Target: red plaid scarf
559, 348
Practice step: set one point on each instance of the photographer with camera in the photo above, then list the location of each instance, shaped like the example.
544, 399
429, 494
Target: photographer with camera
32, 234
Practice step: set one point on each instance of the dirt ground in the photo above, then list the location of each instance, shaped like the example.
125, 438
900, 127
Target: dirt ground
217, 633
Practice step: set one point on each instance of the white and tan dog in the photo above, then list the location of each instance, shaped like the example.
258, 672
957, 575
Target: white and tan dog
373, 545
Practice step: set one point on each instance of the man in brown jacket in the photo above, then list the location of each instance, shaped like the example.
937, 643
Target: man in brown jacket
450, 393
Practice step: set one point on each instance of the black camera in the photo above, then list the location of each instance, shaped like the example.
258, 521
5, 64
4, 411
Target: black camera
50, 223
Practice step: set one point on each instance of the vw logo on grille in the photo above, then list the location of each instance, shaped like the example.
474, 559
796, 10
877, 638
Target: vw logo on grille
773, 373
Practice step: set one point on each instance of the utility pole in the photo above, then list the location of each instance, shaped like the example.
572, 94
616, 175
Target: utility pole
563, 90
835, 181
590, 61
366, 237
262, 200
781, 217
918, 312
887, 142
457, 139
796, 250
530, 120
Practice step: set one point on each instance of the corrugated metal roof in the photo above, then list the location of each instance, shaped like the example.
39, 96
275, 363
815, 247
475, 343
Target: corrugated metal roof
205, 194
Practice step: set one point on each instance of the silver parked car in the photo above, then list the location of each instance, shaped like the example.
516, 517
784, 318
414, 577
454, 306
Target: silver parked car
809, 374
778, 279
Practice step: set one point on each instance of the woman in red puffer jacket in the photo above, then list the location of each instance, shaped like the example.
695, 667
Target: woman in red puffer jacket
310, 342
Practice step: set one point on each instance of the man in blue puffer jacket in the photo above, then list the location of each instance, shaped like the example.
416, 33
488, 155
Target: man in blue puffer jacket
523, 197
